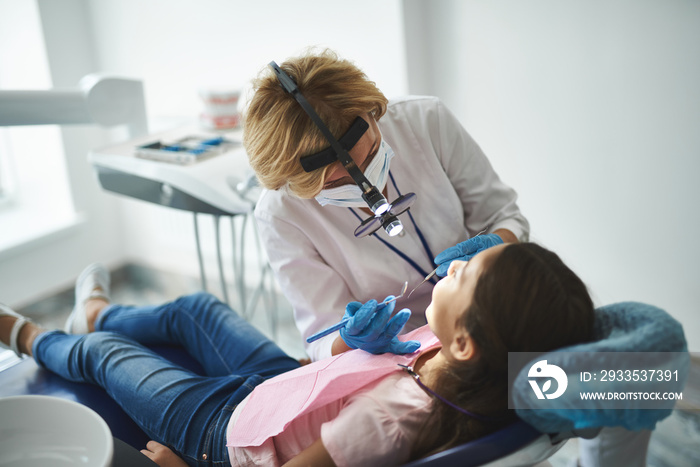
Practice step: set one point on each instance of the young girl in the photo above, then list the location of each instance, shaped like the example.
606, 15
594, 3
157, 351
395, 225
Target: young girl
514, 297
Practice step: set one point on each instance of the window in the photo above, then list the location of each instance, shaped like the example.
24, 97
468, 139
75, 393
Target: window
35, 198
5, 185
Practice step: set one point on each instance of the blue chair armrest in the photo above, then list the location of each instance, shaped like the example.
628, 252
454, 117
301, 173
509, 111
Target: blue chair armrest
625, 327
489, 448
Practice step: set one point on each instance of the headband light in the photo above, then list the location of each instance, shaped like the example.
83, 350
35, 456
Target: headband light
384, 213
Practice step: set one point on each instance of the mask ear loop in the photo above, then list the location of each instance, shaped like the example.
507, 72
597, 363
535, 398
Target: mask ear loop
484, 418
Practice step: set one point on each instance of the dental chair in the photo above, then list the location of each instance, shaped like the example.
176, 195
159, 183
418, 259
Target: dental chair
534, 437
541, 432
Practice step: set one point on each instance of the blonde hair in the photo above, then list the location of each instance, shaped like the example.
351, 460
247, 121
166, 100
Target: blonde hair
277, 131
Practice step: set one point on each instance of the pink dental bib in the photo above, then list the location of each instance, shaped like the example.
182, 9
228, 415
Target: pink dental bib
275, 403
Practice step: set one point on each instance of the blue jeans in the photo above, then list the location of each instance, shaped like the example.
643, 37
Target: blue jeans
178, 408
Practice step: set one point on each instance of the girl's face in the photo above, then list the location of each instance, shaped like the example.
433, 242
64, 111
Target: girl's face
453, 295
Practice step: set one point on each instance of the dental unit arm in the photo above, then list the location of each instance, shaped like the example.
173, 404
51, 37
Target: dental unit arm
101, 99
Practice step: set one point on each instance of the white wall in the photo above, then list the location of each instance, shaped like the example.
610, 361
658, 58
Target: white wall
591, 110
179, 45
176, 47
51, 263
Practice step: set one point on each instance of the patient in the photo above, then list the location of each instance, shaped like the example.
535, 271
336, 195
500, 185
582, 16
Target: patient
514, 297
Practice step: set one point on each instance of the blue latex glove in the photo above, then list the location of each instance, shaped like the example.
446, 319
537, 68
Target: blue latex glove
465, 251
371, 329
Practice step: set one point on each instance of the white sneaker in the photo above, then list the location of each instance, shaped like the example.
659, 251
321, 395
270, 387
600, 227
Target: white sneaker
95, 276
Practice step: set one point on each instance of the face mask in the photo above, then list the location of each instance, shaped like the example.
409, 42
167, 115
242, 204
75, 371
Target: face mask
350, 195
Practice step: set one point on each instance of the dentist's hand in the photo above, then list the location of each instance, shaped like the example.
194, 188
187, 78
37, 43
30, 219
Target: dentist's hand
465, 251
371, 329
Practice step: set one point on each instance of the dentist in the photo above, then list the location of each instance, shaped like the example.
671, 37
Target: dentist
313, 203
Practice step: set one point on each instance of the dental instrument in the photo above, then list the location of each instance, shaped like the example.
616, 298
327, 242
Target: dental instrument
427, 278
430, 276
343, 322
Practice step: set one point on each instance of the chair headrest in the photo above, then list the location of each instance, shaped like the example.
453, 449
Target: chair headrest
621, 328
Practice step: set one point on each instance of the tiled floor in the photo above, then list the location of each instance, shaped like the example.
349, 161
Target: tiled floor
675, 442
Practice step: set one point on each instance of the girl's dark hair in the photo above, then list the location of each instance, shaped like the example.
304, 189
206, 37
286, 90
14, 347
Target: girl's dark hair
526, 300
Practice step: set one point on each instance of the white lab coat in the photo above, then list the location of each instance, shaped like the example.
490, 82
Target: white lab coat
321, 266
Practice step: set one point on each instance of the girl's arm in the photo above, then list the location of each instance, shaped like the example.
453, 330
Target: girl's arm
315, 455
506, 235
162, 455
339, 346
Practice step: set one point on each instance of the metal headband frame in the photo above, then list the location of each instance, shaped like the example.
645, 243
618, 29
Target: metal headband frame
369, 191
328, 155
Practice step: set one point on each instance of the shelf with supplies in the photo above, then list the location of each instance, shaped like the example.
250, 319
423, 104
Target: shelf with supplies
186, 168
199, 171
